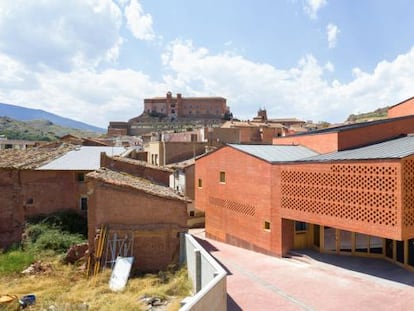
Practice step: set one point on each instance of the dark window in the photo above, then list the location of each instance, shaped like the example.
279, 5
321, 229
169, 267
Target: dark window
29, 201
200, 183
267, 225
84, 204
222, 177
81, 177
411, 252
301, 226
316, 235
192, 214
400, 251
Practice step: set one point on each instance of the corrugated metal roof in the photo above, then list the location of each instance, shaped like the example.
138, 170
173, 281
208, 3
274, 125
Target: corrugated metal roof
84, 158
276, 153
391, 149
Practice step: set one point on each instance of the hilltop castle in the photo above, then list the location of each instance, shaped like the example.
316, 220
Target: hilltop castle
168, 111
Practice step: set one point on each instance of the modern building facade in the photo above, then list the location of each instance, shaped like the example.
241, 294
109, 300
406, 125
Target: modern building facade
354, 195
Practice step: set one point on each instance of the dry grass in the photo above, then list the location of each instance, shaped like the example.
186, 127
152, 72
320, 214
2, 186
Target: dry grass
66, 287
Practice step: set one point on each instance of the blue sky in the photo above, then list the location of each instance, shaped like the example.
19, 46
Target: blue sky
96, 60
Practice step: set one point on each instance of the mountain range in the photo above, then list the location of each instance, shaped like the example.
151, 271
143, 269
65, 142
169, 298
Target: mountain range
28, 114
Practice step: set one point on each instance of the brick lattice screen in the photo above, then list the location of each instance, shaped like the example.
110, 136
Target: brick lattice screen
408, 185
360, 193
237, 207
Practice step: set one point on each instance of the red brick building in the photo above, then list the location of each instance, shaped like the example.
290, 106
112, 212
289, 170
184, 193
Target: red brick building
355, 197
153, 216
186, 107
42, 181
404, 108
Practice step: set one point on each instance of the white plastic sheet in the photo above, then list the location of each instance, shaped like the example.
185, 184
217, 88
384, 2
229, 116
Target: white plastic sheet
120, 274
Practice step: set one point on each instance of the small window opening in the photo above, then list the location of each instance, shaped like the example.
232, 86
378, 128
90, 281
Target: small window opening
200, 183
267, 225
84, 204
81, 177
301, 226
29, 201
222, 177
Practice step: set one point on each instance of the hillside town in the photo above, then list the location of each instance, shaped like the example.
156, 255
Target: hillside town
180, 166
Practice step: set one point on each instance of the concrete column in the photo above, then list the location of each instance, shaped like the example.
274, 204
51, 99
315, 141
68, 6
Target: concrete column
182, 258
197, 256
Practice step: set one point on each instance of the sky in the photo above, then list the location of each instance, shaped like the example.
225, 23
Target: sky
96, 60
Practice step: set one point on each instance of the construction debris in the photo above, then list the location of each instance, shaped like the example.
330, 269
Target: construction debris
76, 252
37, 268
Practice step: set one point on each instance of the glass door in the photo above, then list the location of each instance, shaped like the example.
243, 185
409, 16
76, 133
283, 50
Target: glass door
330, 239
345, 241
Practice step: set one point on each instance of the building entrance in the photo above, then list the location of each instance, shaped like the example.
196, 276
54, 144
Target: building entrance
336, 241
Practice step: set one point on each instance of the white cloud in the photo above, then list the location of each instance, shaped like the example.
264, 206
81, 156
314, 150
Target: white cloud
332, 32
139, 24
59, 34
329, 67
301, 91
84, 94
311, 7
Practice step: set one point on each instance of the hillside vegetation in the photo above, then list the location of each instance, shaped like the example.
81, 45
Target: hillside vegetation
37, 130
380, 113
26, 114
60, 286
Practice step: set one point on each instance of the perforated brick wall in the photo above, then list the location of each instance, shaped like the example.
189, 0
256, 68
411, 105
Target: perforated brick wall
408, 197
360, 197
237, 207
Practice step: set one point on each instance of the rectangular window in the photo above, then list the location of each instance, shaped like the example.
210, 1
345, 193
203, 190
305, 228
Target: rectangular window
81, 177
301, 226
84, 204
223, 177
200, 183
267, 225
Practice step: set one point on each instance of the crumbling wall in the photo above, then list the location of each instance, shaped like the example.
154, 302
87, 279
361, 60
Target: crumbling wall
155, 221
11, 208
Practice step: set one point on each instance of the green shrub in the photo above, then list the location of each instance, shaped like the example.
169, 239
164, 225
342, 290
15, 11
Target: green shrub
68, 220
56, 240
15, 261
46, 237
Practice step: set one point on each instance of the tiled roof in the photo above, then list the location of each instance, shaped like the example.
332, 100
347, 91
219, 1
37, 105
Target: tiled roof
391, 149
31, 158
137, 183
142, 163
238, 124
182, 164
276, 153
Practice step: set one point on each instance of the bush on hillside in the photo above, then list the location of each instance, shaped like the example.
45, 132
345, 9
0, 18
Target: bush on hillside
68, 221
46, 237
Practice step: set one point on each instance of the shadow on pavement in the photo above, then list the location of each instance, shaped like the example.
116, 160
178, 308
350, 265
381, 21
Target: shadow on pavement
377, 267
232, 305
210, 249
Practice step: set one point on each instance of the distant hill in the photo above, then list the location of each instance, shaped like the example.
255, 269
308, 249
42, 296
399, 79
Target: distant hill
27, 114
39, 130
380, 113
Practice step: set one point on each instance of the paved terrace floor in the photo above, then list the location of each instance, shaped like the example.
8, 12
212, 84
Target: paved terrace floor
312, 281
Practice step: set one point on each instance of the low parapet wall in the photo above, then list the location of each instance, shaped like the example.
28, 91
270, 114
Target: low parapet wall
208, 277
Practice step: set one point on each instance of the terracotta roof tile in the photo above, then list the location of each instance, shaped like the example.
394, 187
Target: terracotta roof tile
128, 181
31, 158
